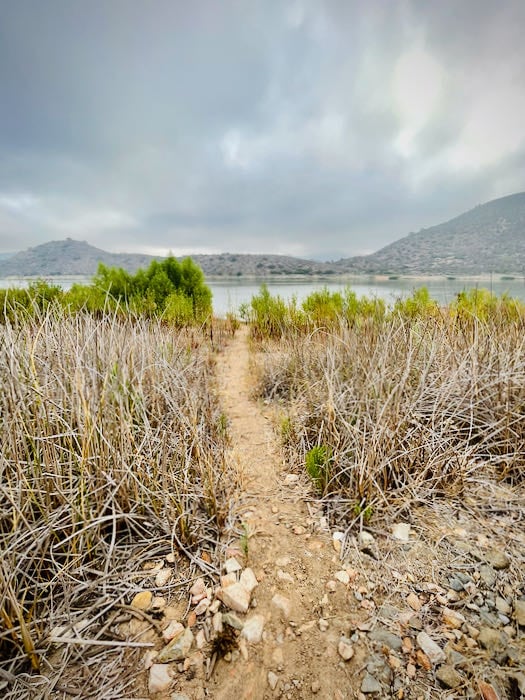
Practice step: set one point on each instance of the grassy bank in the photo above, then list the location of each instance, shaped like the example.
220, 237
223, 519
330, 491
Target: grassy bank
112, 452
388, 408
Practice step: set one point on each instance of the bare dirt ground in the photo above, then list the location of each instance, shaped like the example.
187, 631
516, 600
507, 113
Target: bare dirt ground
355, 623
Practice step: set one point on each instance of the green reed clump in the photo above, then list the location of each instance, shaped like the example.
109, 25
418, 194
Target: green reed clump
411, 405
112, 447
273, 317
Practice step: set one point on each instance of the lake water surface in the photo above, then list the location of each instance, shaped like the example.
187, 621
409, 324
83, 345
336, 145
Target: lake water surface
229, 294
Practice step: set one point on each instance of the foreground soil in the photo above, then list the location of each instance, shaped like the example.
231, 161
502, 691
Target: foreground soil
429, 604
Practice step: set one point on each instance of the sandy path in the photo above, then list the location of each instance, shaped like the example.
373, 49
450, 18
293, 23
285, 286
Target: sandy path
290, 556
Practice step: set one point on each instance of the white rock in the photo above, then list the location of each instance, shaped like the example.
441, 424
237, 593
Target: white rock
200, 639
272, 680
198, 587
282, 604
159, 678
337, 540
228, 579
431, 649
401, 532
253, 628
231, 565
235, 597
202, 606
174, 629
284, 576
291, 479
249, 580
365, 539
162, 578
343, 577
178, 649
345, 649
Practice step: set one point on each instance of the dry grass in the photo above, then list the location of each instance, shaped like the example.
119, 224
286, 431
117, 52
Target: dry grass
112, 452
405, 410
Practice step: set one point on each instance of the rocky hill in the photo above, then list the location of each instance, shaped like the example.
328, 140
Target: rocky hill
489, 238
70, 257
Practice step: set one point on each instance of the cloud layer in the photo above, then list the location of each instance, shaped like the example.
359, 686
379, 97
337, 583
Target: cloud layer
321, 129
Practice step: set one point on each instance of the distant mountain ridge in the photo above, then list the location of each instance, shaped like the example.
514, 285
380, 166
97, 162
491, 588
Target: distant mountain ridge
487, 239
71, 258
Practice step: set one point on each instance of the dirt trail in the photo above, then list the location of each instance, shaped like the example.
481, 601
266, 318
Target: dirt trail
290, 556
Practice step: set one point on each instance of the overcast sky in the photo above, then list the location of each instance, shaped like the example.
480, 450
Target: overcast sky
303, 127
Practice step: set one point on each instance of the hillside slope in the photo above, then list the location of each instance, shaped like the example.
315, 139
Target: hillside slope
69, 257
488, 238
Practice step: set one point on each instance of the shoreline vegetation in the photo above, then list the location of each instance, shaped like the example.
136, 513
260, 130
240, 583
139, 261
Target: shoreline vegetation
499, 277
114, 445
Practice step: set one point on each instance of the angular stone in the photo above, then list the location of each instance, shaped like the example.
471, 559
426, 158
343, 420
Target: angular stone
228, 580
178, 649
448, 676
202, 606
488, 575
519, 612
272, 680
492, 640
232, 620
174, 629
342, 577
371, 684
389, 639
452, 618
198, 587
253, 628
159, 678
142, 601
282, 604
413, 601
431, 649
163, 577
345, 649
502, 606
235, 597
249, 580
497, 559
231, 565
401, 532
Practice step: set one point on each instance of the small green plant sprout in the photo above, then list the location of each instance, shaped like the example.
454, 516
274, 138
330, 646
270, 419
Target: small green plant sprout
363, 511
318, 466
244, 539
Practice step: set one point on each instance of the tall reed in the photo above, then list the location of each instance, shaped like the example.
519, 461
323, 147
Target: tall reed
412, 406
112, 446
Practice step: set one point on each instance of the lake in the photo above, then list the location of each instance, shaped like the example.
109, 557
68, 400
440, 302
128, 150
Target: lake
229, 294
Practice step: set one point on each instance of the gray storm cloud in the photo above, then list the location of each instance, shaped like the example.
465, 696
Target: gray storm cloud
320, 129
